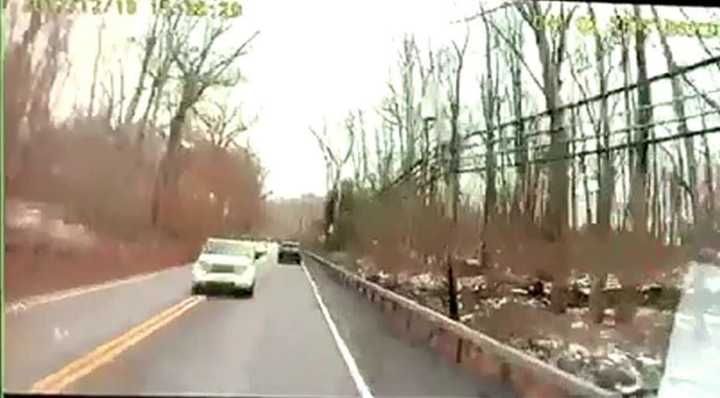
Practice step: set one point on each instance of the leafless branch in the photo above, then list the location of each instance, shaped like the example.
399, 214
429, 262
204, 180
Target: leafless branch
518, 52
220, 67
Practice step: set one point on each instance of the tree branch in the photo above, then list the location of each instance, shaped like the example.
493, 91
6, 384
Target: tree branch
518, 53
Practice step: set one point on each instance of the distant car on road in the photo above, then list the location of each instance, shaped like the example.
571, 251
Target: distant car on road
225, 265
289, 253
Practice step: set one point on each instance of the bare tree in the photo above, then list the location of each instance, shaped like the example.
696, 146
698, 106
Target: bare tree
96, 67
606, 186
638, 201
709, 181
200, 68
149, 46
552, 54
491, 106
159, 71
454, 100
428, 75
453, 176
522, 194
630, 111
120, 115
114, 97
335, 163
364, 156
392, 114
407, 65
551, 51
355, 121
679, 108
222, 125
109, 97
490, 87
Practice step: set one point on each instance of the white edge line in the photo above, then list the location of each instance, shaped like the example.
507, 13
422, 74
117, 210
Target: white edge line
362, 387
25, 304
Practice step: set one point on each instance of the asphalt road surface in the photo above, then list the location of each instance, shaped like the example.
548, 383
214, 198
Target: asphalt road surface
278, 342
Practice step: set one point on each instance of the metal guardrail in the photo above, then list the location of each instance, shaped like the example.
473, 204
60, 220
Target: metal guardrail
476, 350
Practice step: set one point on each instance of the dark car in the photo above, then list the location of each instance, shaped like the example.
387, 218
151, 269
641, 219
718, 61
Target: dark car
289, 253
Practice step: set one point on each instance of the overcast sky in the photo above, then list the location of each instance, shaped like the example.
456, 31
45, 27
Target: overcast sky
317, 59
320, 59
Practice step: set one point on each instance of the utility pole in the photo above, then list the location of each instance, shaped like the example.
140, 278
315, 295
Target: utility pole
454, 186
426, 190
450, 148
450, 166
454, 200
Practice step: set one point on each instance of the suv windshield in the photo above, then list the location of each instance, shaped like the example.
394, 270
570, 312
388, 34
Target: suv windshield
501, 198
227, 248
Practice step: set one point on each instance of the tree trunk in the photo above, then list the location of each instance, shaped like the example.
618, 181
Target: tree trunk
556, 219
574, 170
644, 118
149, 49
710, 198
121, 101
454, 172
598, 302
522, 195
168, 176
681, 198
538, 194
551, 59
489, 100
662, 227
657, 197
558, 184
679, 108
427, 189
364, 149
586, 189
606, 182
672, 206
522, 185
408, 91
628, 168
96, 66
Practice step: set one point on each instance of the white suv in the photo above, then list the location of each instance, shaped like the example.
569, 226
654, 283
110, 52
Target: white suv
224, 265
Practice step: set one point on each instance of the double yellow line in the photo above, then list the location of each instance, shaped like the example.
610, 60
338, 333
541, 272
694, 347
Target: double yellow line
56, 382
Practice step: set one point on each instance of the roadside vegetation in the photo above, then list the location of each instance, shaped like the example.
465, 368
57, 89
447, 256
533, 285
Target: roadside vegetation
543, 185
141, 170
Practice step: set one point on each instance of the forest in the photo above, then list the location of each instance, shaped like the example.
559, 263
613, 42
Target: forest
137, 169
556, 162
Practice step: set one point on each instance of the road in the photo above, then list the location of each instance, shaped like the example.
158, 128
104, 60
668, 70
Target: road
279, 342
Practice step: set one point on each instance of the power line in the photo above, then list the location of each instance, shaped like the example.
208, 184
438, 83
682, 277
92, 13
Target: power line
615, 115
615, 148
586, 138
525, 119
